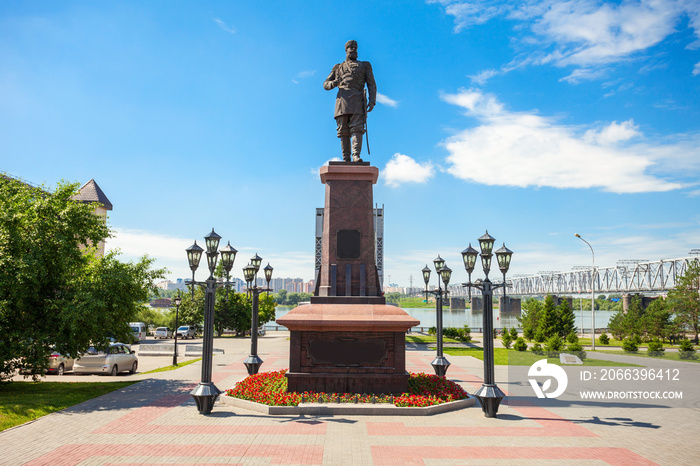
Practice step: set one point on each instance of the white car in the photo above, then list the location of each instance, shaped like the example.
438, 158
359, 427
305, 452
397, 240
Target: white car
115, 359
163, 332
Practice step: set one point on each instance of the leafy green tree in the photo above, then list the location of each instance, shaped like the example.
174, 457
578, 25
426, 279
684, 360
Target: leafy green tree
529, 317
656, 320
55, 292
506, 339
192, 308
281, 297
231, 311
684, 299
393, 297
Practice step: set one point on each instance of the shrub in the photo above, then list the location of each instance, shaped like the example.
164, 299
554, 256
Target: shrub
514, 333
554, 343
432, 331
540, 336
536, 348
572, 338
604, 339
459, 334
575, 347
506, 339
529, 333
686, 350
655, 348
520, 344
630, 344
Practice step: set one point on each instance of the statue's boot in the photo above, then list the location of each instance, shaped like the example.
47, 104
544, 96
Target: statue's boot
345, 146
356, 147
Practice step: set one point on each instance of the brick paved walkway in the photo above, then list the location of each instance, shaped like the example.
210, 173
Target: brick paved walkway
156, 422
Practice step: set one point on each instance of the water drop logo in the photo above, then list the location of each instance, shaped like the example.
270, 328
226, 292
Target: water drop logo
552, 371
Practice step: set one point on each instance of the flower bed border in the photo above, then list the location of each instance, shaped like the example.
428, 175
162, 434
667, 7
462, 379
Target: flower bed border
348, 409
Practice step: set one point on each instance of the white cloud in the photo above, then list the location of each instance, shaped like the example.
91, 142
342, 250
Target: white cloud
382, 99
696, 69
585, 33
584, 74
525, 149
224, 26
303, 75
483, 76
169, 252
403, 169
612, 134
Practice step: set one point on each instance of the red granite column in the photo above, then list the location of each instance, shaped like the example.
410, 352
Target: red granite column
348, 230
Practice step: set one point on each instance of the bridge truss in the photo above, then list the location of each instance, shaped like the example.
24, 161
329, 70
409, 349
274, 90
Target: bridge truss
643, 277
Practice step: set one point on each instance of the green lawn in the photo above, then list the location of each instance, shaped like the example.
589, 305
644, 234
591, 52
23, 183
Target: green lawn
428, 339
21, 402
504, 357
668, 355
172, 368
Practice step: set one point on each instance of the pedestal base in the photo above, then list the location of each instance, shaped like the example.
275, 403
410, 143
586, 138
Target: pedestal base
347, 348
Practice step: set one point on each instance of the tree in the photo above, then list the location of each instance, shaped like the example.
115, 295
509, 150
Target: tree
55, 293
192, 308
565, 318
656, 320
529, 317
684, 299
548, 318
281, 297
231, 311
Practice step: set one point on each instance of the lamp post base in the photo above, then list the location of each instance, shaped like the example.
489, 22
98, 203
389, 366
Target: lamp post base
489, 396
205, 395
440, 365
253, 363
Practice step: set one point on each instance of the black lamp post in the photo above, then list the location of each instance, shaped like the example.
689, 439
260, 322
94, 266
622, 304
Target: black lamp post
489, 395
178, 301
206, 393
440, 363
250, 273
469, 257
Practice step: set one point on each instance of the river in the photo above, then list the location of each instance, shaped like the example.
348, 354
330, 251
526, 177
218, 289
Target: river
458, 318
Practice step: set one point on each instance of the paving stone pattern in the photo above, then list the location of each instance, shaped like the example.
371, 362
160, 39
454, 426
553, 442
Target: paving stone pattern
156, 422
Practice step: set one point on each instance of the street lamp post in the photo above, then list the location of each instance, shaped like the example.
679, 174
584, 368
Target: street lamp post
440, 363
206, 393
469, 257
178, 301
592, 293
250, 273
489, 395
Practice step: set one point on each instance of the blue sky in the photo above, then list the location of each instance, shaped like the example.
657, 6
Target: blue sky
534, 120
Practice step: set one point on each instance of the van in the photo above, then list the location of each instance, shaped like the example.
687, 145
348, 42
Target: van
139, 329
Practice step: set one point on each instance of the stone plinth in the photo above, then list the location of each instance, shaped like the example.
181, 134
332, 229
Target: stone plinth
347, 340
347, 348
348, 265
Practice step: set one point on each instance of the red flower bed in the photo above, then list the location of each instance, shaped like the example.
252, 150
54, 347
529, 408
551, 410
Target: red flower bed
270, 388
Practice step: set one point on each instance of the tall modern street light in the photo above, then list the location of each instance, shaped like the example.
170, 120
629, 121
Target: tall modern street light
440, 363
250, 273
178, 301
489, 395
206, 393
592, 293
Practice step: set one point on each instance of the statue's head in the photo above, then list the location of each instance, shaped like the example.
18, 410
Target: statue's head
351, 50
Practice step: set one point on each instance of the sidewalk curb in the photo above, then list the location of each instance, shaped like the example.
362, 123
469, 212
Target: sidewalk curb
347, 409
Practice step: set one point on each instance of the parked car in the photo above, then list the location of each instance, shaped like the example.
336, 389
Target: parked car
163, 332
187, 331
59, 363
115, 359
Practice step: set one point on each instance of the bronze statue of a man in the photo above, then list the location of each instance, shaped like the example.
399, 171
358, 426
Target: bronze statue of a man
351, 108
